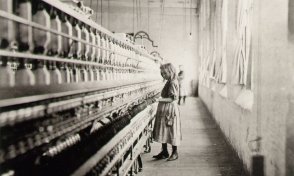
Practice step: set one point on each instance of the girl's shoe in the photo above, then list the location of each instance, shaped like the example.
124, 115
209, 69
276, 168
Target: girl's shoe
173, 157
161, 155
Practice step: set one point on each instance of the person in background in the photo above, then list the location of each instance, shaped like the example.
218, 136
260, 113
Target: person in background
167, 126
182, 85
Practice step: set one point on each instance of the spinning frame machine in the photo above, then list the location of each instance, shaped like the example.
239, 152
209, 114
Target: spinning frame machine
75, 99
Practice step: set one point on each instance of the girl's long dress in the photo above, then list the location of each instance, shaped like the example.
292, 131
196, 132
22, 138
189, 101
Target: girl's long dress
161, 132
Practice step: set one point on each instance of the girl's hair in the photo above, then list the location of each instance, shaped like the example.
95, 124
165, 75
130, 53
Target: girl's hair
170, 69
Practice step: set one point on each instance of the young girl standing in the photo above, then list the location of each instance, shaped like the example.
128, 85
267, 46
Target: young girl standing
167, 126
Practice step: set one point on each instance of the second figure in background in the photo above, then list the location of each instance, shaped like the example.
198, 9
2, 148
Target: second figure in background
182, 85
167, 126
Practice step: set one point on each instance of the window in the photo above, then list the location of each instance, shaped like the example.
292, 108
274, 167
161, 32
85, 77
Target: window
243, 57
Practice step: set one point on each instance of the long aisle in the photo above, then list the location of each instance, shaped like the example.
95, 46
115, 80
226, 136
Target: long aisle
203, 151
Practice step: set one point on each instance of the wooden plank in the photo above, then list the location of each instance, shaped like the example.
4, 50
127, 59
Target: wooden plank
27, 94
59, 59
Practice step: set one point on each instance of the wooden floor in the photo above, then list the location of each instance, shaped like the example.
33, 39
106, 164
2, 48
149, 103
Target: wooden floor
203, 151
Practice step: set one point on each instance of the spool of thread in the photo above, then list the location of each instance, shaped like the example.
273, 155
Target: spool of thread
91, 74
66, 28
7, 27
55, 75
41, 38
93, 55
24, 76
42, 75
7, 78
55, 46
24, 32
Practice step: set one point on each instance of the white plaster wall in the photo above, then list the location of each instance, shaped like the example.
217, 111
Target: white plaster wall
273, 58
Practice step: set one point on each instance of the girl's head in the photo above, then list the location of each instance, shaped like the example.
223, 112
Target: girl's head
168, 71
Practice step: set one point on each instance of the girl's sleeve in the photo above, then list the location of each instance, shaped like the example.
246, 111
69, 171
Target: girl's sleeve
173, 91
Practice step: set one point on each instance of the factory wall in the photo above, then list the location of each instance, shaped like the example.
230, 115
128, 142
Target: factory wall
250, 43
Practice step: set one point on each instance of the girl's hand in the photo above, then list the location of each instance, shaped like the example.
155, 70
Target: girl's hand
154, 100
165, 100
